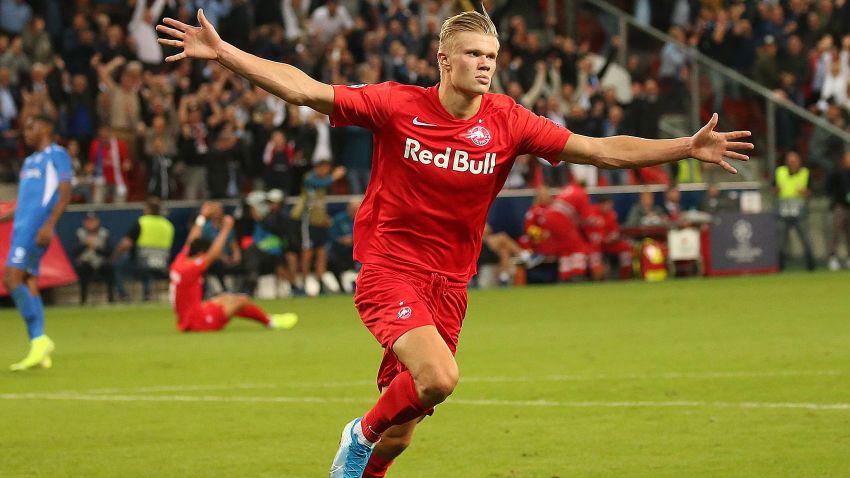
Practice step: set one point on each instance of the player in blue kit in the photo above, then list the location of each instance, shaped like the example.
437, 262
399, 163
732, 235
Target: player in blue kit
43, 193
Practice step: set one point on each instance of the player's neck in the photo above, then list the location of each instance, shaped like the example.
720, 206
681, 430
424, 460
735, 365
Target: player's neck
458, 104
42, 145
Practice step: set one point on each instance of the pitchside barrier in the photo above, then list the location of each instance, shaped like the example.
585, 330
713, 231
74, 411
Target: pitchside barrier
506, 215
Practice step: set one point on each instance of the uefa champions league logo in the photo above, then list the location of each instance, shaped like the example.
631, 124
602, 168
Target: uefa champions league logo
478, 135
743, 231
744, 251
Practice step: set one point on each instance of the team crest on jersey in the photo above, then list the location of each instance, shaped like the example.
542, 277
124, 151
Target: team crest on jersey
404, 313
479, 135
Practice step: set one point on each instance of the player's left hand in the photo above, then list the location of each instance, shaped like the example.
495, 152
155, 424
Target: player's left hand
711, 146
44, 236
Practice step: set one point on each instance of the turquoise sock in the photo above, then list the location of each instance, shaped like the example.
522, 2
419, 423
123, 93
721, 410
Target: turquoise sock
31, 310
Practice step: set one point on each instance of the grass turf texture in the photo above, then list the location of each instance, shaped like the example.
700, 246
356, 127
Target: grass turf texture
724, 378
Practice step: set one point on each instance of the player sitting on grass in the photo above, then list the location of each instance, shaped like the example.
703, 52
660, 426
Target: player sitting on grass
187, 272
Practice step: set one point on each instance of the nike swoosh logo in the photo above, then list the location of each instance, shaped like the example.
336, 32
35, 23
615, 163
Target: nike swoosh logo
420, 123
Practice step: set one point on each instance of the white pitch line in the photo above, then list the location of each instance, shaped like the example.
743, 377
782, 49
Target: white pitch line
496, 379
468, 402
184, 388
596, 377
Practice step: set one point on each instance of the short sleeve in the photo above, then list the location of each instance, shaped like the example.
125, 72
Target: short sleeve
538, 135
368, 106
62, 163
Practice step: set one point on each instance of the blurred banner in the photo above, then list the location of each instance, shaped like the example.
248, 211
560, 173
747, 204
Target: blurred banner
742, 244
55, 270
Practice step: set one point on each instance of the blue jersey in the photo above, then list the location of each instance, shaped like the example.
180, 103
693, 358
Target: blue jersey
38, 190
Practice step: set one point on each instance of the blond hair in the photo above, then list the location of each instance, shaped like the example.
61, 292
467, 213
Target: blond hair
465, 22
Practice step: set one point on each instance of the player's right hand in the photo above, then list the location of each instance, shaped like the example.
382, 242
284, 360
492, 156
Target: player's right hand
227, 222
197, 42
44, 235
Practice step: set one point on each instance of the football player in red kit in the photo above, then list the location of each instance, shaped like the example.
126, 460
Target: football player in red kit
186, 287
441, 155
603, 235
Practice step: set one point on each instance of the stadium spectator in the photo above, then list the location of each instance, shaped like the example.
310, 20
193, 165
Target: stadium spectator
341, 245
14, 16
614, 126
83, 181
109, 164
266, 253
215, 10
836, 76
278, 157
356, 156
645, 213
505, 250
144, 251
329, 20
92, 257
311, 216
78, 44
824, 147
792, 188
120, 100
80, 111
224, 163
838, 187
602, 230
766, 70
194, 143
8, 112
12, 56
715, 200
36, 41
673, 203
673, 65
161, 182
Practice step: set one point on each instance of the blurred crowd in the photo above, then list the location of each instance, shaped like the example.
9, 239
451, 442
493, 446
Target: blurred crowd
798, 49
136, 126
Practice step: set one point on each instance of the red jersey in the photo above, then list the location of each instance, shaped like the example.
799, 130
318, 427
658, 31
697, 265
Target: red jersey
434, 176
594, 225
577, 199
612, 226
186, 287
109, 158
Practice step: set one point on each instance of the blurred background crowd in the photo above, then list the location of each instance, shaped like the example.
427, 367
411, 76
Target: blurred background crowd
138, 128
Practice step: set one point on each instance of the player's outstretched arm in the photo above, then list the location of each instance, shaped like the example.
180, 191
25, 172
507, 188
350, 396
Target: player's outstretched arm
615, 152
198, 227
220, 241
280, 79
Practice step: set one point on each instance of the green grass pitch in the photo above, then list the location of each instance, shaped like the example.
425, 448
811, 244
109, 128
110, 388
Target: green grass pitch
744, 377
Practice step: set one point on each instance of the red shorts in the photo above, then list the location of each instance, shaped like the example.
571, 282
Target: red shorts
207, 317
392, 303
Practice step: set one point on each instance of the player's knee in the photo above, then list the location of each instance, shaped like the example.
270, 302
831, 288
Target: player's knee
10, 280
437, 383
242, 301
